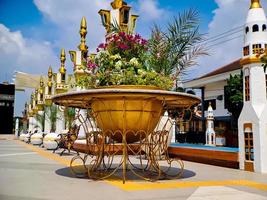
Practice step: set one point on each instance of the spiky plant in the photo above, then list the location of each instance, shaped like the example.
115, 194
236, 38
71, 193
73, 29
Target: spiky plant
40, 118
51, 115
69, 114
177, 48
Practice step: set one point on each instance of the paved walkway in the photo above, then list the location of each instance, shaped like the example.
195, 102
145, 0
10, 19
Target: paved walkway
31, 173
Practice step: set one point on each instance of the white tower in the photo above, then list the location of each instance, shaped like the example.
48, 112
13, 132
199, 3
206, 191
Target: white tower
252, 123
210, 133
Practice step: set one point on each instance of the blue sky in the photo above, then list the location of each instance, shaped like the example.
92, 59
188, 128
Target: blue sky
33, 24
32, 32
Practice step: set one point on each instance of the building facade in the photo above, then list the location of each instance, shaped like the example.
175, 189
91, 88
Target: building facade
7, 96
252, 123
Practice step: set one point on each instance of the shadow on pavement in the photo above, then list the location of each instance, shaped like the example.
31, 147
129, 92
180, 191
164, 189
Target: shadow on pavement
81, 172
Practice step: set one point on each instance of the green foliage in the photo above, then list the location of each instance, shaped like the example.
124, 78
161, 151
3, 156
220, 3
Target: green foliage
234, 95
264, 61
69, 114
176, 49
40, 121
51, 115
128, 59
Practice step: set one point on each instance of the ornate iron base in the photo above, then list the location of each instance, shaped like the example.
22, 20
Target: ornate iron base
101, 159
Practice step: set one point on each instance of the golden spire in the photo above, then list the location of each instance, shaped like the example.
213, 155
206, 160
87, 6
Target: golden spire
62, 69
255, 4
50, 73
41, 82
117, 4
83, 32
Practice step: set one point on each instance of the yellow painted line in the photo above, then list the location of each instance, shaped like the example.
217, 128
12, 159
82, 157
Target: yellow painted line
135, 186
46, 154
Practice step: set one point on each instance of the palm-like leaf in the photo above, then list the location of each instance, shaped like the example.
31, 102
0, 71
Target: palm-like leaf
51, 115
40, 121
69, 114
173, 51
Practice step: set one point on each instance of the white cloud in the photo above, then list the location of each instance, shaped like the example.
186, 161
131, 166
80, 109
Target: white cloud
149, 10
67, 16
34, 56
229, 14
22, 54
19, 53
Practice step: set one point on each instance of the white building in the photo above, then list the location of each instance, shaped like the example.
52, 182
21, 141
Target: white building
212, 86
252, 123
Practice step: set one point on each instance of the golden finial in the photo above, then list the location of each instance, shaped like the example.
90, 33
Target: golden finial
41, 82
36, 96
255, 4
83, 32
50, 72
62, 69
117, 4
32, 97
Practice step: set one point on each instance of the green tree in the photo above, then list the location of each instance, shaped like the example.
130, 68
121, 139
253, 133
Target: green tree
234, 97
264, 61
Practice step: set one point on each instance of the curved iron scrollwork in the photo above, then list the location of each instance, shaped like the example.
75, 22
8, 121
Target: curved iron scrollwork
143, 158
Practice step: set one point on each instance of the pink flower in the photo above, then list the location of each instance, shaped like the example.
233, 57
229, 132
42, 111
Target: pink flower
121, 34
102, 46
143, 42
91, 65
123, 46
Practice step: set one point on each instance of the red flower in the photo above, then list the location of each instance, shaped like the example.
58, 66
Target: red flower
123, 46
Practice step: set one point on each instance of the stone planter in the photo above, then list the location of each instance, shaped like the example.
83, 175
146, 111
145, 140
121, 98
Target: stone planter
220, 141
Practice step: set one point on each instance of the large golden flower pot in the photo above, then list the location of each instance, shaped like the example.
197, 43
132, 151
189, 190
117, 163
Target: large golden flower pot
125, 115
127, 112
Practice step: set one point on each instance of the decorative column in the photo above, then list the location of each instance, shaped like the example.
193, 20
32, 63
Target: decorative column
30, 114
40, 105
61, 87
48, 101
17, 128
79, 59
210, 133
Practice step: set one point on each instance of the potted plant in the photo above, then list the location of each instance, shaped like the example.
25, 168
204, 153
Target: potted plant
129, 59
128, 62
220, 136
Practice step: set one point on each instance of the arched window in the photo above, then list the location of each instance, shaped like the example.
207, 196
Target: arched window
247, 29
249, 147
255, 28
264, 27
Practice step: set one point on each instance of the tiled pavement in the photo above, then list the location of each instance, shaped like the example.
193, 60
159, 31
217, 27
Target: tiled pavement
31, 173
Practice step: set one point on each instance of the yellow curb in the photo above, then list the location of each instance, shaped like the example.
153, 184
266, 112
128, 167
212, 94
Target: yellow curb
48, 155
135, 186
